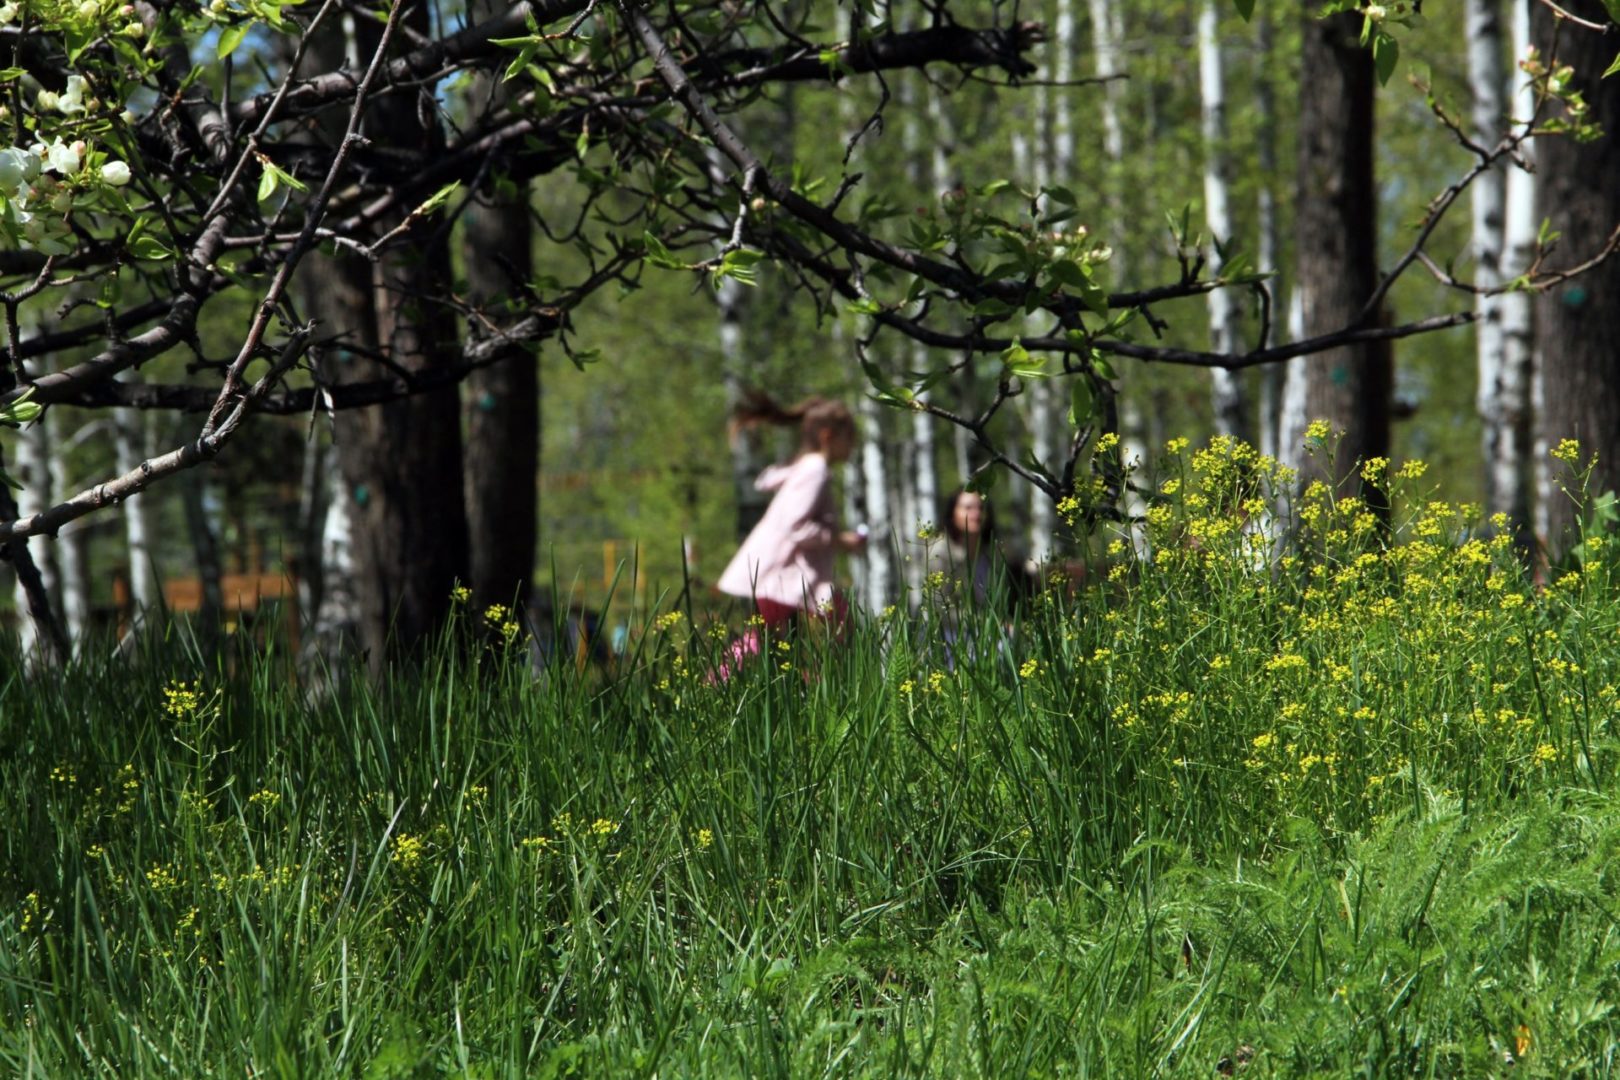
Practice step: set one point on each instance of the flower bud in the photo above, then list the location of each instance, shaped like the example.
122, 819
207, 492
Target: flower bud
115, 173
89, 9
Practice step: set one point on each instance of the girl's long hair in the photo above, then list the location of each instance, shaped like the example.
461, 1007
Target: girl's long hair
811, 416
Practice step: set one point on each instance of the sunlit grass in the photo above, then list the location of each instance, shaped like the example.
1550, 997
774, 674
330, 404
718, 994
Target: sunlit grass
1349, 811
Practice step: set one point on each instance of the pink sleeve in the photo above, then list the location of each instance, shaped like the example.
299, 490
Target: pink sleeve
797, 505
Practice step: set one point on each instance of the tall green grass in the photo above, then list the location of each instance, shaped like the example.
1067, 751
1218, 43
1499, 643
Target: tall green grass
1350, 815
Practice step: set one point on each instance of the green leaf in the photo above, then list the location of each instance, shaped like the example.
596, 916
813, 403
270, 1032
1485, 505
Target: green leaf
1610, 70
1385, 53
437, 200
658, 254
267, 183
581, 357
231, 37
20, 411
149, 249
1245, 8
287, 179
1081, 401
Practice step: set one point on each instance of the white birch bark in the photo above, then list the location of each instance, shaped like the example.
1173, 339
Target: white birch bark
334, 624
1293, 420
1271, 375
918, 483
70, 548
944, 132
145, 589
1500, 418
31, 454
1037, 169
1226, 390
1520, 366
874, 582
1107, 33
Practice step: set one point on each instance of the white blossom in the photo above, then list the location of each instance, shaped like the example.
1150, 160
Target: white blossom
72, 99
115, 173
65, 158
15, 168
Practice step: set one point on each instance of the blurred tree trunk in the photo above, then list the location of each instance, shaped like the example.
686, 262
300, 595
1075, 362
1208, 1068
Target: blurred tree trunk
502, 463
402, 460
1336, 230
1226, 388
205, 550
1577, 330
337, 295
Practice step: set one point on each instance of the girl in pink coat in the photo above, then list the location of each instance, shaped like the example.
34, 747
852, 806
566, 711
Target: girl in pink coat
786, 564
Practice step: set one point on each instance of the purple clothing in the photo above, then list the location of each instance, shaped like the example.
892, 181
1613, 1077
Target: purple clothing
788, 557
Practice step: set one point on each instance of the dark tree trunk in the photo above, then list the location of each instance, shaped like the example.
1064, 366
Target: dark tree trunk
503, 400
1336, 237
400, 462
205, 548
1578, 323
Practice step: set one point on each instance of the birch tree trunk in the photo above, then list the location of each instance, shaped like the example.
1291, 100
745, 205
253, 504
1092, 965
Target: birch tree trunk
1226, 389
334, 625
1272, 376
1036, 159
875, 581
1520, 368
1107, 34
1501, 396
145, 589
33, 471
922, 476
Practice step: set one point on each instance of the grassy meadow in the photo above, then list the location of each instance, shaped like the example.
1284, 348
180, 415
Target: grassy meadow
1350, 811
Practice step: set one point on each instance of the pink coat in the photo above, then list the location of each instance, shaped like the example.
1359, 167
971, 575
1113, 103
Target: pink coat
788, 557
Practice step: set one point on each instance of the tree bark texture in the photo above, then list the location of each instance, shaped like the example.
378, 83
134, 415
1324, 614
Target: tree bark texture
1336, 239
502, 401
1578, 322
402, 461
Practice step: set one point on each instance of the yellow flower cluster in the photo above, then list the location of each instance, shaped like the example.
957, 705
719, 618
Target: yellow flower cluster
182, 700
